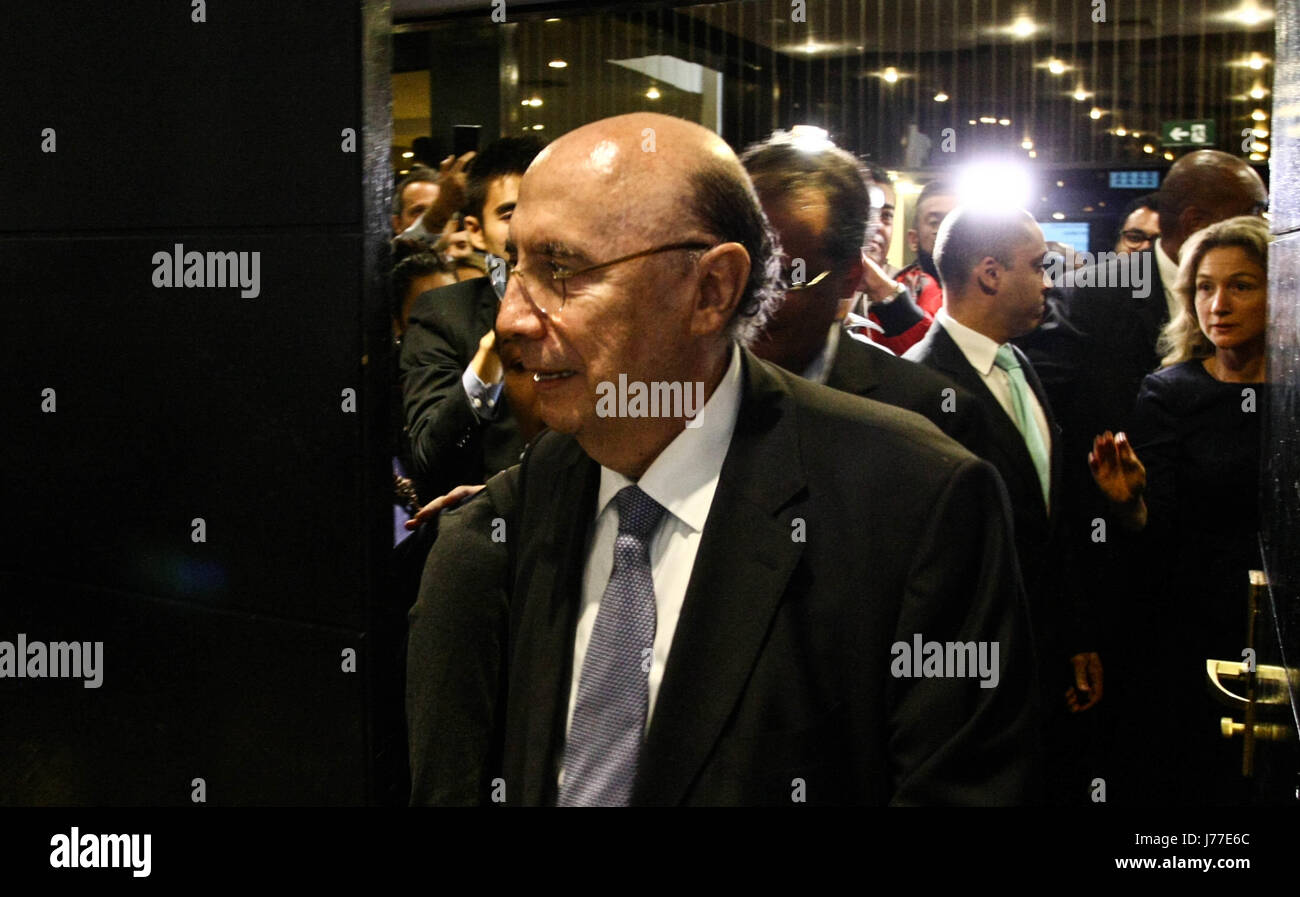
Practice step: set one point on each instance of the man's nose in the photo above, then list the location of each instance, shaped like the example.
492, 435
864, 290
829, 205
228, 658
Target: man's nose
517, 317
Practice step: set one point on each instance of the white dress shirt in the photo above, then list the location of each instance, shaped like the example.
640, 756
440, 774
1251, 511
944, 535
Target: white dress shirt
982, 352
1168, 269
683, 479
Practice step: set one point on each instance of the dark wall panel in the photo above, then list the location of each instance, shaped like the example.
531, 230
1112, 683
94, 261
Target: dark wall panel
223, 658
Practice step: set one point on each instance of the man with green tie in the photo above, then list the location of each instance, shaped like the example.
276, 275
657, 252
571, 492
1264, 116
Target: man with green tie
993, 267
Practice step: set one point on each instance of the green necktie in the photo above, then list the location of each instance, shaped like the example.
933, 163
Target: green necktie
1020, 400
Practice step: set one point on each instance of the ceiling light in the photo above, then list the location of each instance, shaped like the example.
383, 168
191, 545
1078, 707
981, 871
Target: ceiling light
1120, 132
558, 64
1094, 113
1004, 122
408, 155
1026, 144
1056, 67
1033, 154
538, 127
1169, 156
891, 74
988, 120
1022, 27
1256, 61
1058, 216
405, 171
972, 121
1148, 148
1247, 14
1080, 94
1257, 92
941, 97
1259, 115
1060, 183
552, 20
1256, 157
652, 93
1259, 147
1259, 132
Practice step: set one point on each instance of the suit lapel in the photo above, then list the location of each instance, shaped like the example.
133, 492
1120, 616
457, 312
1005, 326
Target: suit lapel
949, 358
543, 648
745, 559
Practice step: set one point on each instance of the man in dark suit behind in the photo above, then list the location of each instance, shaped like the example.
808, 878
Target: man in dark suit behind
814, 194
722, 612
461, 426
993, 264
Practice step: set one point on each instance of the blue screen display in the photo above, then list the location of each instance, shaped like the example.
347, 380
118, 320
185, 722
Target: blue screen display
1134, 180
1071, 233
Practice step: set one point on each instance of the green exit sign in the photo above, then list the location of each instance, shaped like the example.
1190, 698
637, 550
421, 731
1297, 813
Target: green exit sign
1187, 133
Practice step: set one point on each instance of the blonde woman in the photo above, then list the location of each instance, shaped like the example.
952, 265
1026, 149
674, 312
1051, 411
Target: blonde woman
1187, 486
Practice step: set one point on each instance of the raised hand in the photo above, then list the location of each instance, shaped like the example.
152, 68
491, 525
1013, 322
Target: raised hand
1116, 468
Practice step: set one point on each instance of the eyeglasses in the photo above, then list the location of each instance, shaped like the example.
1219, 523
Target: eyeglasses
1137, 237
796, 287
550, 293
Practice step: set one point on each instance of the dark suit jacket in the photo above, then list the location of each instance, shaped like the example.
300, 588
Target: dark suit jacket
1041, 541
780, 662
868, 371
449, 444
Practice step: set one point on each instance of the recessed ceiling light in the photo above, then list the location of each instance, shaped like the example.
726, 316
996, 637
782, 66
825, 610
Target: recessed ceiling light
1056, 66
941, 97
1004, 122
1033, 154
1120, 132
652, 93
890, 75
552, 20
1080, 94
1027, 144
1259, 132
558, 64
1148, 148
538, 127
1169, 156
408, 155
1259, 147
1259, 115
1059, 216
1256, 157
1094, 113
1022, 27
1257, 92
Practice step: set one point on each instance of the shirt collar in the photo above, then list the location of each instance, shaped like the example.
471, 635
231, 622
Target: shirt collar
979, 350
820, 367
684, 476
1168, 269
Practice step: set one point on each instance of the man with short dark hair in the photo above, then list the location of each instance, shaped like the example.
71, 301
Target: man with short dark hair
901, 312
413, 196
701, 604
1139, 225
461, 427
813, 196
993, 263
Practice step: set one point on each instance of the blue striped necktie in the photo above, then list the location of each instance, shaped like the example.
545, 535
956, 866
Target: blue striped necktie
609, 716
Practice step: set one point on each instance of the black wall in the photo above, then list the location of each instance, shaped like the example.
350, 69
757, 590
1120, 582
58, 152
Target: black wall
223, 659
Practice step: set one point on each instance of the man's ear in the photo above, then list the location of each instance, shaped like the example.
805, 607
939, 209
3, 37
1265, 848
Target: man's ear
1193, 219
724, 271
988, 275
475, 229
913, 239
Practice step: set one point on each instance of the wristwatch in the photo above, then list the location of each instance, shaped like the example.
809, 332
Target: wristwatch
899, 289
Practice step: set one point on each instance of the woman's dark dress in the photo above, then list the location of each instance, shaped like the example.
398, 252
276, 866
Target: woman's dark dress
1200, 441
